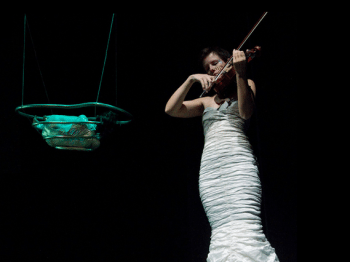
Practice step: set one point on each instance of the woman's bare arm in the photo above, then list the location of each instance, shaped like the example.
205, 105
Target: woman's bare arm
245, 87
177, 107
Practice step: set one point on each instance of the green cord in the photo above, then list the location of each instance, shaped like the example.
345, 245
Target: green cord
24, 55
104, 64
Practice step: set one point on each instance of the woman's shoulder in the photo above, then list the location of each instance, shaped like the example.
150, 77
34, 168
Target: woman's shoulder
209, 101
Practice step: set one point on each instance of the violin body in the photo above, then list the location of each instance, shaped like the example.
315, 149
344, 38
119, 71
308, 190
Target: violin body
225, 85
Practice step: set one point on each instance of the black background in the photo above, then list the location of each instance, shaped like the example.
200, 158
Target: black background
136, 197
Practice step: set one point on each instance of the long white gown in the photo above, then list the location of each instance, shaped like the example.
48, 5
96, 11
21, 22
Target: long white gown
230, 189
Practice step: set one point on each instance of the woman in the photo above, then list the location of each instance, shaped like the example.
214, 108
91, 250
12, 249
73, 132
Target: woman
229, 184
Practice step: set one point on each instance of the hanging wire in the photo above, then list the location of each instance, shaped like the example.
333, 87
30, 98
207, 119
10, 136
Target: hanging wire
104, 63
24, 54
24, 57
37, 61
26, 25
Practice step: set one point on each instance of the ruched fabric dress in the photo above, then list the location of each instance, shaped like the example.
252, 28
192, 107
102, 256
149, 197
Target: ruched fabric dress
230, 189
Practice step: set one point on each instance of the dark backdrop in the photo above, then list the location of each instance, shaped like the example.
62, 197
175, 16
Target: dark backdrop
136, 197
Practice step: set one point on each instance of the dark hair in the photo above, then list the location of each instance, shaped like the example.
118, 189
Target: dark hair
222, 53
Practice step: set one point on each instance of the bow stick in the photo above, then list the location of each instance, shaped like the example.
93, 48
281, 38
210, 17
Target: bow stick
239, 47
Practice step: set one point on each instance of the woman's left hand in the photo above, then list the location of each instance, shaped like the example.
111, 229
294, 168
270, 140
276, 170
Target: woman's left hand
239, 62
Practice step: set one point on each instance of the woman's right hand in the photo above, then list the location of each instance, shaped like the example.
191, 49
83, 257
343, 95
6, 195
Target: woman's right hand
205, 80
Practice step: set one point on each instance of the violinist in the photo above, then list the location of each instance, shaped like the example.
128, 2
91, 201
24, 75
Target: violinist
229, 184
213, 60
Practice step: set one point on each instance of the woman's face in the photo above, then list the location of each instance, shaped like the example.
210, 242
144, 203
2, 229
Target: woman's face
213, 64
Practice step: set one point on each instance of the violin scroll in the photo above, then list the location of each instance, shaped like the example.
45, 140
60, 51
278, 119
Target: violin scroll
252, 53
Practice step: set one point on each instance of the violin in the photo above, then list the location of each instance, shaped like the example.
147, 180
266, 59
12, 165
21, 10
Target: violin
225, 85
225, 81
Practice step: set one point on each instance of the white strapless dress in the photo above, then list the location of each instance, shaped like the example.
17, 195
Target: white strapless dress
230, 190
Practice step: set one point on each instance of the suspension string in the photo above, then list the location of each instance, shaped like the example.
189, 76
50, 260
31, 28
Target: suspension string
24, 54
104, 63
24, 59
37, 61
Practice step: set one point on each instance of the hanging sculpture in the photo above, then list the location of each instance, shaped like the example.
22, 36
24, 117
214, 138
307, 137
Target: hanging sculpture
74, 132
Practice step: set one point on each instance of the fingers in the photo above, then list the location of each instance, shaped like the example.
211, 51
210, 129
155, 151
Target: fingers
239, 61
238, 55
205, 80
208, 82
203, 83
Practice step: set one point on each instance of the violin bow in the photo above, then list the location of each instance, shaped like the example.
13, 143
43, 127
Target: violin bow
239, 47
